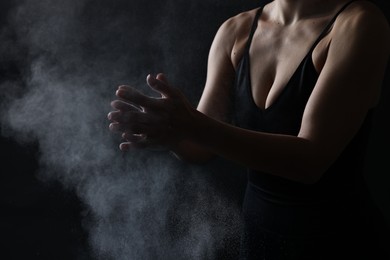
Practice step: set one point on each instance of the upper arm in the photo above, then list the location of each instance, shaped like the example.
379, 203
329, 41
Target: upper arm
220, 74
349, 83
216, 97
214, 101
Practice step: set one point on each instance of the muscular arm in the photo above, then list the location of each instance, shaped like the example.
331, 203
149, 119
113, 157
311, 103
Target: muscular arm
215, 99
348, 86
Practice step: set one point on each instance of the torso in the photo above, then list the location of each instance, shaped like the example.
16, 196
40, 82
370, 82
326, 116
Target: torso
281, 48
295, 77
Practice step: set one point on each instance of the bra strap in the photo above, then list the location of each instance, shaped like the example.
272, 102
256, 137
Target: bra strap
253, 29
329, 25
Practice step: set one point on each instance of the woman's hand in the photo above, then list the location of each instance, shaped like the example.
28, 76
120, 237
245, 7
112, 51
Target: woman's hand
149, 122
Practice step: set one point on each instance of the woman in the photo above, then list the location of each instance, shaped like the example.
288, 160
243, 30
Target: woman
290, 92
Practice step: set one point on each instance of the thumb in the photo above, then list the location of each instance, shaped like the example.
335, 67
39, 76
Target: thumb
160, 84
162, 78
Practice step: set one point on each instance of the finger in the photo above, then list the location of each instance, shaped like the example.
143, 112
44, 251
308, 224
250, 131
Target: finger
126, 146
137, 128
113, 115
133, 137
141, 141
160, 86
116, 116
162, 78
114, 127
123, 106
127, 116
133, 96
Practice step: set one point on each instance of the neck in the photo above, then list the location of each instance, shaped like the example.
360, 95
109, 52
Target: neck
290, 11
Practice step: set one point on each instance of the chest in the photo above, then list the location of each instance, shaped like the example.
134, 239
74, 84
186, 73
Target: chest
276, 52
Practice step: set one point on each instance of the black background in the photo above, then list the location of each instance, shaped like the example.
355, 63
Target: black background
43, 220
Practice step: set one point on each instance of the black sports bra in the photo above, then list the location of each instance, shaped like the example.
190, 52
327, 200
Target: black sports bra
284, 116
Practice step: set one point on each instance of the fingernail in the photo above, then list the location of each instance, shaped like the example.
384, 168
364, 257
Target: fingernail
119, 93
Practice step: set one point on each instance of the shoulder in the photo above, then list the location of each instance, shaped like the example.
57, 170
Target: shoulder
365, 21
239, 24
243, 18
359, 50
232, 33
362, 13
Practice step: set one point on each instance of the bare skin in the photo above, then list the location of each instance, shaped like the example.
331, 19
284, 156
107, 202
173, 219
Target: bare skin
351, 61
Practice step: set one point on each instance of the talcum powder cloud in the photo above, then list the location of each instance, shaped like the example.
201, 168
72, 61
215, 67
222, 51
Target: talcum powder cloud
73, 54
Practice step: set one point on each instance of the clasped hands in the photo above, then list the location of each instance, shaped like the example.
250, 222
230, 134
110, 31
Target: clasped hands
149, 122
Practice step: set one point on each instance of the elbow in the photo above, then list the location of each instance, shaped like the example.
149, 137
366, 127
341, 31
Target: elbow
300, 171
313, 170
306, 176
311, 178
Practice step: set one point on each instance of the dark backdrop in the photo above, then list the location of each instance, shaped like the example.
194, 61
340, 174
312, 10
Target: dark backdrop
43, 219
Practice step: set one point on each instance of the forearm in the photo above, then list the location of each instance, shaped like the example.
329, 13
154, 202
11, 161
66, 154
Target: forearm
283, 155
190, 151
